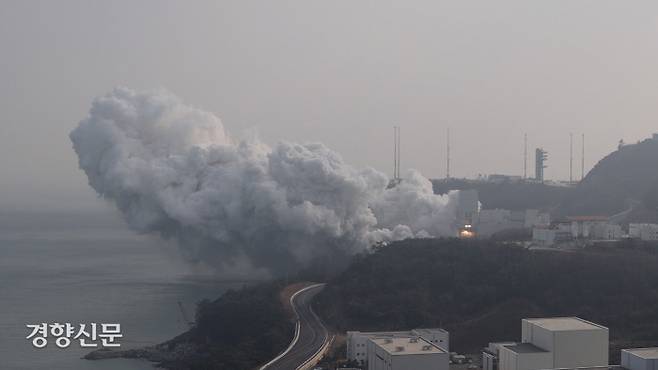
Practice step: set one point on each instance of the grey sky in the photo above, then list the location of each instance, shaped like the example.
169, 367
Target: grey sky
339, 72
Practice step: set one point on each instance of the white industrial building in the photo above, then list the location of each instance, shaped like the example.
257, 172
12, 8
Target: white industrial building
643, 231
640, 358
491, 221
357, 342
594, 227
552, 343
410, 353
491, 354
547, 236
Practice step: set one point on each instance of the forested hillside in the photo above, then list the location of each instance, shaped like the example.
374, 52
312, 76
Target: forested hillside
626, 175
480, 291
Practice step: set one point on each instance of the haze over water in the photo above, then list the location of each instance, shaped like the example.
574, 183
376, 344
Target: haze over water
90, 268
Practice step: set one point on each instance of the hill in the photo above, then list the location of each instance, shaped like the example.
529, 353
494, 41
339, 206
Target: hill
480, 291
514, 196
240, 330
623, 179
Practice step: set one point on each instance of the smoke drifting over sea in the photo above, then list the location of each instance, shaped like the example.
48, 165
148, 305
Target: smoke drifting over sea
172, 169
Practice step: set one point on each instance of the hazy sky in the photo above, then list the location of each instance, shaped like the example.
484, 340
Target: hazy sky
339, 72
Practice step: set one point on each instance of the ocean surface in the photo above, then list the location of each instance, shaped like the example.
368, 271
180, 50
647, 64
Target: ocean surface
81, 268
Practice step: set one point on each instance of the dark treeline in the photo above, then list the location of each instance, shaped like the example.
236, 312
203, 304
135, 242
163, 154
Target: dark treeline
480, 290
240, 330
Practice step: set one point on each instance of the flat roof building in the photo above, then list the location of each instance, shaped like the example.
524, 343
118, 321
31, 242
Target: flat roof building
491, 353
411, 353
640, 358
357, 342
556, 342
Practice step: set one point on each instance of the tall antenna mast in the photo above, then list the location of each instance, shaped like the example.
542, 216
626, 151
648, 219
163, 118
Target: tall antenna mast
448, 156
570, 158
525, 156
395, 152
398, 152
582, 160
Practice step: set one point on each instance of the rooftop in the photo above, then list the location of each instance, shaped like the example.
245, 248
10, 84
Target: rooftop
565, 323
429, 330
383, 334
645, 353
407, 346
407, 333
588, 218
525, 348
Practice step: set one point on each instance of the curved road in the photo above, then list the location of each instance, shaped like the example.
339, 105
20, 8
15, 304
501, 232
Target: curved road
310, 336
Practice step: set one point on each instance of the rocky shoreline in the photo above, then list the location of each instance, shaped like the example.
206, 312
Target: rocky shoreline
167, 355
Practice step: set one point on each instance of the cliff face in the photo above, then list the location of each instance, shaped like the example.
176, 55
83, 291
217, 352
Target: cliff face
626, 177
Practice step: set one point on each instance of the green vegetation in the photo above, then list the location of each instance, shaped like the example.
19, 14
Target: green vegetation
480, 290
624, 175
240, 330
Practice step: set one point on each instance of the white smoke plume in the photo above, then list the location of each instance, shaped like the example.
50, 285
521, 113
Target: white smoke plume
172, 169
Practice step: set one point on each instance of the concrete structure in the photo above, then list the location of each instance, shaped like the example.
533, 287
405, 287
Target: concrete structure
502, 179
643, 231
532, 218
540, 164
410, 353
468, 207
491, 221
640, 358
548, 236
594, 227
525, 356
357, 342
551, 343
491, 354
606, 232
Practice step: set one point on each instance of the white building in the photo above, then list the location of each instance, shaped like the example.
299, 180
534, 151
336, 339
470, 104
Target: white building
491, 221
410, 353
643, 231
640, 358
357, 342
551, 343
548, 236
491, 354
594, 227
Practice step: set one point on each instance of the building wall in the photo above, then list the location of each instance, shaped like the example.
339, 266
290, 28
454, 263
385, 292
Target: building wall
540, 337
510, 360
534, 361
378, 359
506, 359
581, 348
488, 361
357, 342
633, 362
357, 346
643, 231
427, 361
